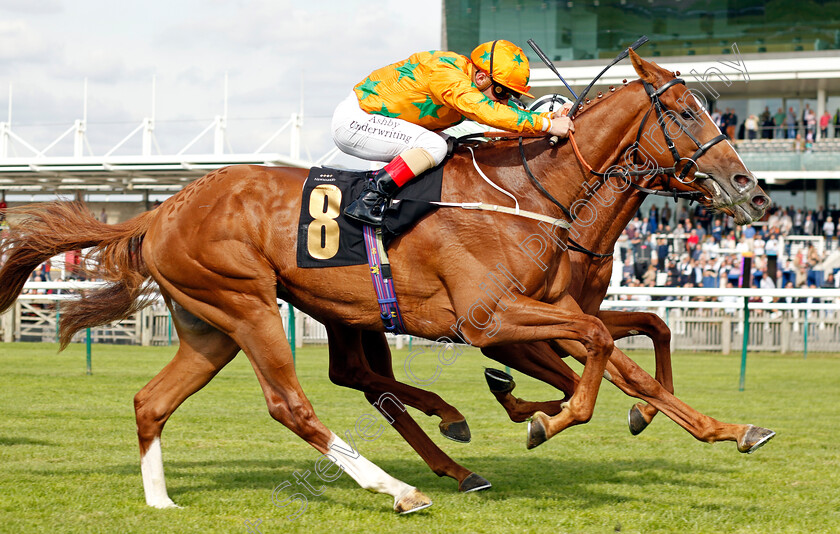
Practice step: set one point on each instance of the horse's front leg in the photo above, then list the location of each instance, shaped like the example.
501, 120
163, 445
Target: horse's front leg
526, 321
633, 380
622, 324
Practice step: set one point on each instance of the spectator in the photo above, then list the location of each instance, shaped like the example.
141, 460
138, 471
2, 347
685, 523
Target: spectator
809, 119
779, 120
837, 123
825, 120
665, 215
751, 127
790, 123
828, 231
662, 251
766, 122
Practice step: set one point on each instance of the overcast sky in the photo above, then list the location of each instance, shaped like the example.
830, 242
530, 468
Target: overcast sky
48, 48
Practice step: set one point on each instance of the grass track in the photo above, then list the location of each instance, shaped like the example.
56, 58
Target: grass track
69, 456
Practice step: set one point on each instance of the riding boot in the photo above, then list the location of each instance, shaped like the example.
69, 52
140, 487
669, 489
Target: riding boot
371, 204
373, 200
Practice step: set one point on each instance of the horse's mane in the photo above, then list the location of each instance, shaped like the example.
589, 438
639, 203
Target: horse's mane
495, 142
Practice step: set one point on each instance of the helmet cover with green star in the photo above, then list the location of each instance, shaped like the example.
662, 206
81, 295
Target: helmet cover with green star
508, 63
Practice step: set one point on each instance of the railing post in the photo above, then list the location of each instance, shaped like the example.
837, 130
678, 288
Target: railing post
8, 319
298, 328
57, 321
746, 343
293, 333
805, 338
88, 351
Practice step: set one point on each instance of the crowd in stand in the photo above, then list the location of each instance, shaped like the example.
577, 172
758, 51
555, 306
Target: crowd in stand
801, 128
695, 249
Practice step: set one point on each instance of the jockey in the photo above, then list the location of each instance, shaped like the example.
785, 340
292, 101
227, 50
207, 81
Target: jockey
393, 114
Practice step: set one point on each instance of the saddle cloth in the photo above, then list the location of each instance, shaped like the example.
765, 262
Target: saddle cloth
326, 238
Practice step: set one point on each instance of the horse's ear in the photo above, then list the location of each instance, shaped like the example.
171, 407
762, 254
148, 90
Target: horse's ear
647, 71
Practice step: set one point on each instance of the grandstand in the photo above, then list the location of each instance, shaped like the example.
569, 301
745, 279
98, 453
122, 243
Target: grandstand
741, 54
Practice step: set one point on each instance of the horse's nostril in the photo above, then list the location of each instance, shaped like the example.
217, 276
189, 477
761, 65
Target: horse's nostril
759, 201
741, 180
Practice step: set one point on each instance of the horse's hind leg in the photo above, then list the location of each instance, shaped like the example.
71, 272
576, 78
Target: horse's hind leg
266, 345
378, 355
203, 351
349, 367
537, 360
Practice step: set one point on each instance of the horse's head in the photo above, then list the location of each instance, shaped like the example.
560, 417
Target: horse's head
679, 133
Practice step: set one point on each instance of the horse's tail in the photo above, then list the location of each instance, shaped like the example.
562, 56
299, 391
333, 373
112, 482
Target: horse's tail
39, 232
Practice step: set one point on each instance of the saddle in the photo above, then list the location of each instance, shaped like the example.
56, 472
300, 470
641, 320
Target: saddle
326, 238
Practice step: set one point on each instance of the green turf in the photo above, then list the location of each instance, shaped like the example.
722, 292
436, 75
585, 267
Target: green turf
69, 456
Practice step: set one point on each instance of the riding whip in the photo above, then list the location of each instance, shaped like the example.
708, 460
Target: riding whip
639, 42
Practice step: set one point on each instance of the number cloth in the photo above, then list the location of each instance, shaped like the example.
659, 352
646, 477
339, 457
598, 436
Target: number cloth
326, 238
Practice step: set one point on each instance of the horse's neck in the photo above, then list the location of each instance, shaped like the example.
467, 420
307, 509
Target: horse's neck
603, 135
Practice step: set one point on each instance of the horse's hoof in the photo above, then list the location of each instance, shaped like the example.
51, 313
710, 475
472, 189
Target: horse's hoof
413, 501
754, 438
499, 381
536, 430
458, 431
163, 504
474, 483
636, 421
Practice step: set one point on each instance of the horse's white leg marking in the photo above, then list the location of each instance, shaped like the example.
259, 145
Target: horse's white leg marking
154, 485
367, 474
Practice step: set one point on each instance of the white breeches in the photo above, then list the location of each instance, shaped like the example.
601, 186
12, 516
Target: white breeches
380, 138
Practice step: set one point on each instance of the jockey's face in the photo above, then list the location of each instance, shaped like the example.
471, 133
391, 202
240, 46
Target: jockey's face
485, 85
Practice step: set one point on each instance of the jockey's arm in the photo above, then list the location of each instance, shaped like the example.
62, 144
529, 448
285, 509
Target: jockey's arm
454, 87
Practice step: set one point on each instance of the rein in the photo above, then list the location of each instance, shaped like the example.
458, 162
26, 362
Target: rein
626, 173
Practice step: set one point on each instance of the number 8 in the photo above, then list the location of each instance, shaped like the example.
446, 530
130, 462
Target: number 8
324, 207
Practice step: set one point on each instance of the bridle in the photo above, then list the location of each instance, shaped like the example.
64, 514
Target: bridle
668, 173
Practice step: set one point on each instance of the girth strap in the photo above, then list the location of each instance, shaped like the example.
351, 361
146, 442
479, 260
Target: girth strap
383, 282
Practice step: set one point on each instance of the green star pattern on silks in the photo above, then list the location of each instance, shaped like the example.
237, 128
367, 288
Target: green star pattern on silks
518, 59
491, 103
449, 60
407, 71
428, 108
385, 112
368, 88
485, 56
523, 115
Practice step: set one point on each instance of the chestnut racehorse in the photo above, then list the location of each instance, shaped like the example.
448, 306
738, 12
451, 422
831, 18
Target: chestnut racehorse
352, 366
224, 248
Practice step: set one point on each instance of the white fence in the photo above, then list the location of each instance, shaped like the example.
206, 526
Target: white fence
700, 319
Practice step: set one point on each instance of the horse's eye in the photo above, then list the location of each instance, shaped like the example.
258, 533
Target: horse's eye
687, 115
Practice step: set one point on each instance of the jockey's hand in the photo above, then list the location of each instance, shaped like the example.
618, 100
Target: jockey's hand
564, 110
561, 125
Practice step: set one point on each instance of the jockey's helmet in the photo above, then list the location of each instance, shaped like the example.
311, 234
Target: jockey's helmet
506, 64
